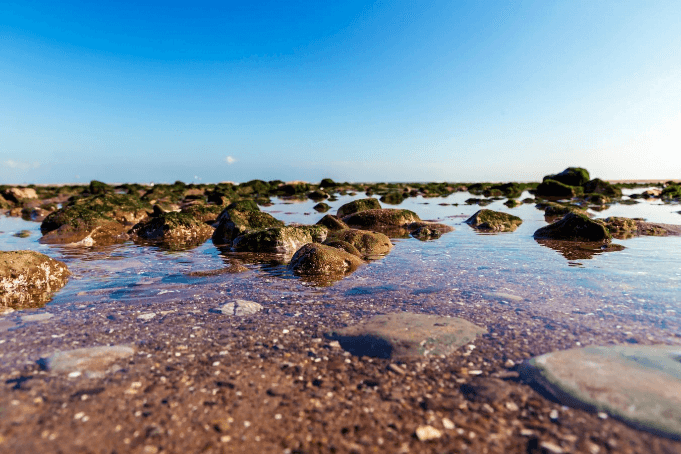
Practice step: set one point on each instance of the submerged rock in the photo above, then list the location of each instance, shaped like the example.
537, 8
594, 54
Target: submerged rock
494, 221
280, 240
640, 385
99, 219
92, 362
575, 227
27, 278
406, 334
320, 260
366, 242
358, 205
240, 308
173, 230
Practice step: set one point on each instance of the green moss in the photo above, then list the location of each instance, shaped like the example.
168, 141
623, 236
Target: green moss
572, 176
358, 205
97, 187
322, 207
671, 191
553, 188
494, 221
332, 223
393, 198
327, 183
243, 205
598, 186
381, 218
367, 243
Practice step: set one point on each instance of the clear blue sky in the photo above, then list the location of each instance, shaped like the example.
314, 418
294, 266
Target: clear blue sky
356, 91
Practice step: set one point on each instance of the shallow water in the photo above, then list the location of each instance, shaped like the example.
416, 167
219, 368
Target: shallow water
643, 277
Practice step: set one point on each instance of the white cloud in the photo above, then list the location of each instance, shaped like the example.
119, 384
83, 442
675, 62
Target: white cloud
21, 165
230, 160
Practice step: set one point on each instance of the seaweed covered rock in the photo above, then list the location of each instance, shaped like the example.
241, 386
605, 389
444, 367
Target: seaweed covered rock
327, 183
173, 230
426, 230
494, 221
671, 192
357, 206
204, 213
393, 198
367, 243
322, 207
279, 240
27, 278
344, 245
575, 227
332, 223
598, 186
623, 228
572, 176
553, 188
320, 260
241, 217
553, 209
378, 219
98, 187
509, 190
317, 195
99, 219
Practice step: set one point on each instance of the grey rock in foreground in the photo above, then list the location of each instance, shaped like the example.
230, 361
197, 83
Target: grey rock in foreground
406, 334
91, 362
640, 385
239, 308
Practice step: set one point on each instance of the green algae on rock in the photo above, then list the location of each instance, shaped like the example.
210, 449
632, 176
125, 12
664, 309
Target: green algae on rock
320, 260
322, 207
598, 186
575, 227
203, 212
366, 242
173, 230
357, 206
380, 218
494, 221
27, 278
239, 218
279, 240
393, 198
572, 176
553, 188
406, 335
332, 223
623, 228
640, 385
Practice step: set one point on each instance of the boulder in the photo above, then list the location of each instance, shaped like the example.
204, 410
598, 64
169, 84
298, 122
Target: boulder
393, 198
494, 221
345, 246
27, 278
575, 227
203, 212
320, 260
99, 219
317, 195
622, 228
366, 242
377, 219
598, 186
424, 230
572, 176
637, 384
554, 209
332, 223
239, 218
357, 206
279, 240
406, 335
173, 230
555, 189
322, 207
17, 195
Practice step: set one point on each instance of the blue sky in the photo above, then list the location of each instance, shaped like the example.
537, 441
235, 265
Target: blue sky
356, 91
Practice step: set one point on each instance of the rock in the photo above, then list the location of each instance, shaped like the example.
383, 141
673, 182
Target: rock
405, 335
427, 433
28, 277
23, 234
640, 385
36, 317
317, 195
486, 389
173, 230
512, 203
555, 189
424, 230
357, 206
575, 227
393, 198
367, 243
18, 195
502, 296
572, 176
100, 219
203, 212
327, 183
92, 361
478, 201
383, 219
671, 192
332, 223
344, 245
598, 186
322, 207
424, 233
320, 260
494, 221
509, 190
240, 308
239, 218
623, 228
279, 240
97, 187
553, 209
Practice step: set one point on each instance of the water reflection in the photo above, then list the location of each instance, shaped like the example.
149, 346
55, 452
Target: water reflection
580, 250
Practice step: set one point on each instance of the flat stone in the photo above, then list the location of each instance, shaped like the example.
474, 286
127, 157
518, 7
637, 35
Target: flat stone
406, 334
91, 361
36, 317
146, 317
502, 296
640, 385
240, 308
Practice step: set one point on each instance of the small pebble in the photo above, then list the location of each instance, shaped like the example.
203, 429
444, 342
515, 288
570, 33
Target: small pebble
426, 433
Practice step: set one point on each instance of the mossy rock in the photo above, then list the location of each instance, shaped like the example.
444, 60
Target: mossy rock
98, 187
424, 230
494, 221
383, 217
164, 193
512, 203
367, 243
243, 205
623, 228
173, 230
27, 278
317, 195
597, 199
231, 223
332, 223
509, 190
358, 205
344, 245
553, 209
279, 240
327, 183
556, 189
572, 176
4, 203
291, 189
320, 260
322, 207
575, 227
254, 187
598, 186
478, 201
204, 213
393, 198
23, 234
671, 192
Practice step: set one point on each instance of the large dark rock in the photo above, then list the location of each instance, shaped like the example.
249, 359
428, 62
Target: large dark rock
239, 218
173, 230
367, 243
320, 260
555, 189
358, 205
575, 227
598, 186
99, 219
393, 198
494, 221
279, 240
27, 278
572, 176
